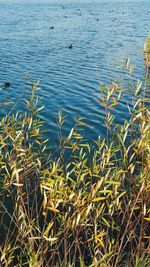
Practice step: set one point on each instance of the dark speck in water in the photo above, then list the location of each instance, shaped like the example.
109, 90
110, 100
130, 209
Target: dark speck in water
6, 84
70, 46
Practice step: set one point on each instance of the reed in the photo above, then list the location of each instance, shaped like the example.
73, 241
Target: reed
86, 205
147, 52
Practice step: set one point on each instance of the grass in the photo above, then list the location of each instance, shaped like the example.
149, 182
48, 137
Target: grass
147, 51
86, 206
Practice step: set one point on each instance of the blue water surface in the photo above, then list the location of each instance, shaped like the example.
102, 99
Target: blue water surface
102, 33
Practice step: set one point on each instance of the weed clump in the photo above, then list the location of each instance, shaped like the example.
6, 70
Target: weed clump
90, 208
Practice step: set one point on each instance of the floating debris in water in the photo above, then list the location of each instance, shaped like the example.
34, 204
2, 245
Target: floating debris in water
52, 28
6, 84
70, 46
26, 75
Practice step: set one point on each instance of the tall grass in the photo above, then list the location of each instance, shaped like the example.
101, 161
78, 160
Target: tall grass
147, 51
86, 206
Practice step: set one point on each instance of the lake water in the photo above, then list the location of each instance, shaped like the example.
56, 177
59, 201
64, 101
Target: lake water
101, 33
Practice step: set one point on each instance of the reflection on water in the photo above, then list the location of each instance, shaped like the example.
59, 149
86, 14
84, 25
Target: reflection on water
34, 41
